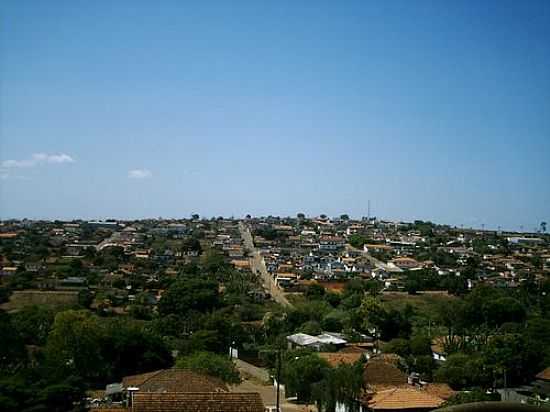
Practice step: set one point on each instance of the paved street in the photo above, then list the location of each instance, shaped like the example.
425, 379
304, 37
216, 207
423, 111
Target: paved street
247, 369
253, 381
257, 265
377, 263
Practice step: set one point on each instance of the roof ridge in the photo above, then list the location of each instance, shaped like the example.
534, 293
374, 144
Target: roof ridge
389, 393
153, 374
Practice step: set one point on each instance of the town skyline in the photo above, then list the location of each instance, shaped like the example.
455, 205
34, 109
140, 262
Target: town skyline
534, 228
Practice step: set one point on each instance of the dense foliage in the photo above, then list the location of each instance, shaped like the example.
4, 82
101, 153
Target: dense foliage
211, 364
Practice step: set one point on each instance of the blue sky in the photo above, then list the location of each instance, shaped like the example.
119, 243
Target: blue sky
432, 109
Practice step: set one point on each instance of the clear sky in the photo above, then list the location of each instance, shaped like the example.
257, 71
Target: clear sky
434, 110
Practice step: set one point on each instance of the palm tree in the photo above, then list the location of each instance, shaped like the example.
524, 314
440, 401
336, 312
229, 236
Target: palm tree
543, 227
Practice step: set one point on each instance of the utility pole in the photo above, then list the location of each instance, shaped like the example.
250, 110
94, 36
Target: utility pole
278, 375
368, 212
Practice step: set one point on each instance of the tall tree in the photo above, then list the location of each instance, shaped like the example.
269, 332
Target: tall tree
13, 354
211, 364
340, 385
33, 324
300, 372
185, 295
74, 346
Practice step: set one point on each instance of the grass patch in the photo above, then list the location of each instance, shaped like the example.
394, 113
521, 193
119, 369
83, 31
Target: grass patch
296, 298
425, 305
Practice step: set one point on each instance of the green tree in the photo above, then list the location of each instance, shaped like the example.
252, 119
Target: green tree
311, 327
351, 301
191, 244
202, 340
4, 294
510, 360
315, 291
373, 287
477, 395
189, 295
412, 285
74, 346
213, 262
342, 384
312, 310
301, 372
389, 324
356, 240
420, 345
128, 348
354, 286
424, 365
85, 298
372, 312
15, 393
537, 339
462, 371
211, 364
13, 354
33, 324
505, 309
60, 397
398, 345
334, 321
333, 299
274, 323
227, 328
141, 312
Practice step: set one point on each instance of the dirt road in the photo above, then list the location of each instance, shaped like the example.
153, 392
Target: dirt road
257, 265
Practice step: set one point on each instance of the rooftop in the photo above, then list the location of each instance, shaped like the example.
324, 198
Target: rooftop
174, 380
198, 401
337, 358
379, 372
544, 375
403, 398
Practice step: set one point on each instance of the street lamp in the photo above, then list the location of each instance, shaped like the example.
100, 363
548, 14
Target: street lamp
233, 353
132, 389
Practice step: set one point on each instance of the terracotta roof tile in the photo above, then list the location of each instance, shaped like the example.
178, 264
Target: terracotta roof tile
353, 349
392, 358
380, 372
174, 380
198, 401
441, 390
544, 375
138, 380
403, 398
335, 359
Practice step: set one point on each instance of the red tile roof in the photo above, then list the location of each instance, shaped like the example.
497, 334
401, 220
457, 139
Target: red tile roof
198, 401
544, 375
403, 398
379, 372
335, 359
353, 348
441, 390
174, 380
